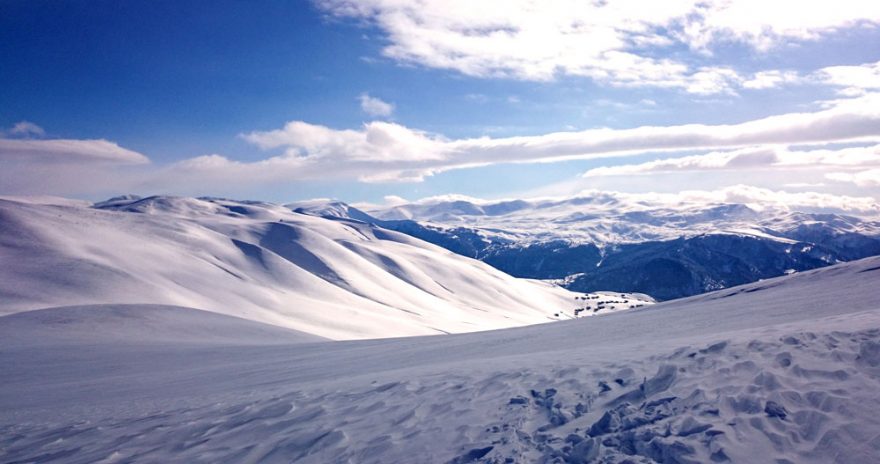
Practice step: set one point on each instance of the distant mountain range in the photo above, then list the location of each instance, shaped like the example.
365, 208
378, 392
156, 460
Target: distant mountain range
608, 242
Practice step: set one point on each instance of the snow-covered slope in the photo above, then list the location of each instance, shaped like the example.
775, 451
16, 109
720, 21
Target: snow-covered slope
139, 325
335, 278
781, 371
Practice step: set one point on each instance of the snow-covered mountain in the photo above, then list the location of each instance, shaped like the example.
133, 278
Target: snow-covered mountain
627, 243
331, 277
609, 218
781, 371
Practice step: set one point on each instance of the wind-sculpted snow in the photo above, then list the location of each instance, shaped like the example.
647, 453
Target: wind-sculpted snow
779, 371
745, 402
335, 278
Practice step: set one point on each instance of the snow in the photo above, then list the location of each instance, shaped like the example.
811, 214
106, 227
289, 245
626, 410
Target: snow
138, 325
596, 303
606, 219
759, 234
333, 278
45, 200
783, 370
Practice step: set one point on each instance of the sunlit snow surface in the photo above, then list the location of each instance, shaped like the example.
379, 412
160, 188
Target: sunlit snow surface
338, 279
784, 370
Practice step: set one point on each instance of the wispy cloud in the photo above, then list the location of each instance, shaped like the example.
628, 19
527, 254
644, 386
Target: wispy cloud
25, 129
375, 107
476, 98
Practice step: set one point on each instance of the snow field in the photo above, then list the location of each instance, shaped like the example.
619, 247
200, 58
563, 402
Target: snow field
784, 370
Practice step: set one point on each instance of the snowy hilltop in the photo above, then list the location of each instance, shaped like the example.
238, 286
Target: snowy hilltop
334, 278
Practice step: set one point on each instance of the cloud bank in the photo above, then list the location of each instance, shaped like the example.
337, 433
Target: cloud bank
756, 197
68, 151
382, 151
759, 198
772, 157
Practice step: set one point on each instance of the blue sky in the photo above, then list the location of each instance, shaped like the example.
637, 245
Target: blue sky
282, 100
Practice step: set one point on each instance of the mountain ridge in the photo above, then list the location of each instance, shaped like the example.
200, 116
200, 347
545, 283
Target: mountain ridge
610, 243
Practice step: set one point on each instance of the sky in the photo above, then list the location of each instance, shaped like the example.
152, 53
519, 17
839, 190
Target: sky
383, 100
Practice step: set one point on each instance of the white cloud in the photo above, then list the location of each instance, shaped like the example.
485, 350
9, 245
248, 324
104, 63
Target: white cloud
763, 157
755, 197
384, 152
374, 106
869, 178
62, 167
376, 142
613, 43
388, 152
22, 148
394, 200
841, 157
26, 129
68, 151
800, 201
709, 161
852, 80
764, 24
449, 197
771, 79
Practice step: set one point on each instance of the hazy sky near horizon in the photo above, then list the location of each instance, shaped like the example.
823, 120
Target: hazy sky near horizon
362, 100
